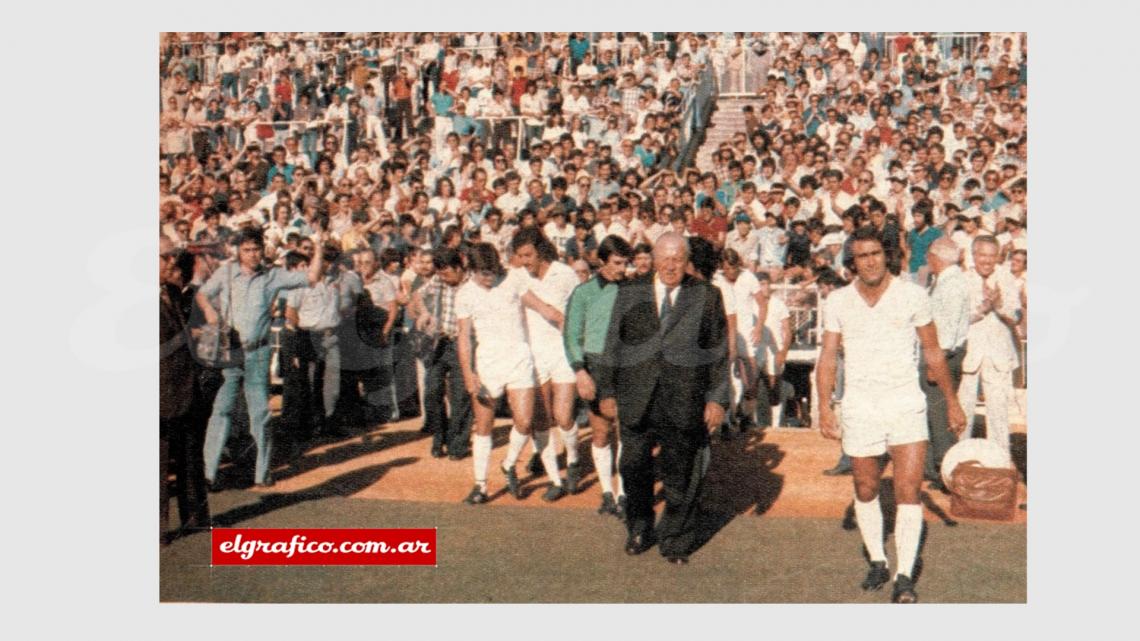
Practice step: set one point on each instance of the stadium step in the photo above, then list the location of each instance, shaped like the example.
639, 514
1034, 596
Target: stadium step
727, 120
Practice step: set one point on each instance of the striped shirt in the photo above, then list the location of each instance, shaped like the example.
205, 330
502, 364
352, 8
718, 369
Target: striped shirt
439, 301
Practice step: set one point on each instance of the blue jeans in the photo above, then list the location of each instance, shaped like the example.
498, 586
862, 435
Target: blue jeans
256, 376
230, 84
309, 144
327, 349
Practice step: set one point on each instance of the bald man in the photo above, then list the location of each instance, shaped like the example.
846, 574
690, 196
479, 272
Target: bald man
664, 374
950, 310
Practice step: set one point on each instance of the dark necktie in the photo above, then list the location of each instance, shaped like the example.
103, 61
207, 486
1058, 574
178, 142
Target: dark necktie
667, 306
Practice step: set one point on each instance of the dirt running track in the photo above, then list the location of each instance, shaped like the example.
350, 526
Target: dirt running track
776, 531
777, 472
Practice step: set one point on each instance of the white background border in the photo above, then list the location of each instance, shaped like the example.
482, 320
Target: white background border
82, 118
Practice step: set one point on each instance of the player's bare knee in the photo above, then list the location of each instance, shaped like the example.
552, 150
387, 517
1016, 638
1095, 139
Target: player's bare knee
866, 489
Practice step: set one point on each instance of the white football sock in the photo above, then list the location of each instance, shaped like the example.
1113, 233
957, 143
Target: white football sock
605, 467
908, 532
869, 516
482, 458
514, 447
548, 452
570, 440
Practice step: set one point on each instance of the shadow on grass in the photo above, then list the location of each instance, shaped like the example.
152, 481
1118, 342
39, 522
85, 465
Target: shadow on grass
741, 480
344, 485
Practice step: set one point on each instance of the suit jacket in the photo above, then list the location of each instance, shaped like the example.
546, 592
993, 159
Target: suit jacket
177, 369
683, 364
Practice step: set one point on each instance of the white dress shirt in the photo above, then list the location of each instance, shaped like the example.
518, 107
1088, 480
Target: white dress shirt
988, 336
950, 307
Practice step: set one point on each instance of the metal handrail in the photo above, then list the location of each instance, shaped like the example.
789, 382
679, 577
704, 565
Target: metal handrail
694, 117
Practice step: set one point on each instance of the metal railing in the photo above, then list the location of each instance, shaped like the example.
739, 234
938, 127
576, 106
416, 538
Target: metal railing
746, 75
803, 305
695, 117
518, 134
968, 41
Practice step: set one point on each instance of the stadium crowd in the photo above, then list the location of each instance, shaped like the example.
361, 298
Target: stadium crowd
374, 179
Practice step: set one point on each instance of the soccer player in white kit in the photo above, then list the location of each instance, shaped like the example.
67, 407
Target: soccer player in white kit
771, 338
553, 283
876, 319
495, 356
744, 375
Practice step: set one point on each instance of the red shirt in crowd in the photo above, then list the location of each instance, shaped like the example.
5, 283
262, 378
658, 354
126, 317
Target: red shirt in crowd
450, 80
886, 135
401, 89
283, 90
518, 88
486, 195
710, 229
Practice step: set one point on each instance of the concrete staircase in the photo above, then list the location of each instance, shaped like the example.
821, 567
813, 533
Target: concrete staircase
726, 121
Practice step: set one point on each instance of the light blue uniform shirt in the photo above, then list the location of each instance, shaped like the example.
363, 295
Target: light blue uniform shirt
252, 297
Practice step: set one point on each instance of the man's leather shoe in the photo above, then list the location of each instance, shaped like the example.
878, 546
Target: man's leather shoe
638, 543
335, 432
437, 452
677, 559
838, 470
939, 486
268, 482
457, 456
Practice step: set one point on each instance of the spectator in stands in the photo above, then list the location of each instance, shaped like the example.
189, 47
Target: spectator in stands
919, 239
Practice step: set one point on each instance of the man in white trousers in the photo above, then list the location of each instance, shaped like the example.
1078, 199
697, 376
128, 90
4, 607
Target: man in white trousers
991, 354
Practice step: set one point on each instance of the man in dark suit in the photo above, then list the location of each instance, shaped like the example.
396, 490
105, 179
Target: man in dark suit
181, 412
665, 375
